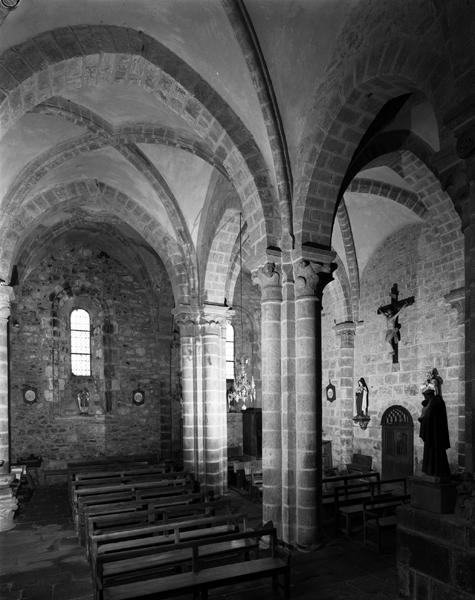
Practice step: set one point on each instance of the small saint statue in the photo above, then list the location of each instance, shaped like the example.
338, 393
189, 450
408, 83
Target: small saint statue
434, 429
361, 398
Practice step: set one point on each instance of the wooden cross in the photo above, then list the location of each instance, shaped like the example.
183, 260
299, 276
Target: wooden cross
391, 312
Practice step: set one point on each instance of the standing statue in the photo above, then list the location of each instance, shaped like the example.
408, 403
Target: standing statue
434, 429
361, 396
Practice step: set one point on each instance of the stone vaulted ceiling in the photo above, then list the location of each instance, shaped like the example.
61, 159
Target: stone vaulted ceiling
166, 118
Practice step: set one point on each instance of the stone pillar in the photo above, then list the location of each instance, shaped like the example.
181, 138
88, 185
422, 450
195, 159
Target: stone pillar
8, 503
187, 320
346, 332
313, 272
289, 405
213, 334
268, 278
6, 297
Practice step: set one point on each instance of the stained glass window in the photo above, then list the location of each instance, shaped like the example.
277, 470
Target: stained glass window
80, 342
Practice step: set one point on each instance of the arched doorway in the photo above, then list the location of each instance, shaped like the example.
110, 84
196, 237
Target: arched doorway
398, 443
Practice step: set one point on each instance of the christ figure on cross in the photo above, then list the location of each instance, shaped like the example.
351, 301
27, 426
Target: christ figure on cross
392, 312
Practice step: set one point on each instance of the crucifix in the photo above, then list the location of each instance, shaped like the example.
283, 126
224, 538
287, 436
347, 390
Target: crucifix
391, 312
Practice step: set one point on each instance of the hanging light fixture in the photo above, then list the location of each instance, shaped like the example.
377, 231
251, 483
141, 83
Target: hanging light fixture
244, 391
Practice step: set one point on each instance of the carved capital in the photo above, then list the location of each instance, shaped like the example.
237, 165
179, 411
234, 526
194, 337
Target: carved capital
268, 278
311, 278
346, 332
6, 298
215, 315
187, 318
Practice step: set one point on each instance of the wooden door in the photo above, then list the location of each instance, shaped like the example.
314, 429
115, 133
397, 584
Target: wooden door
398, 443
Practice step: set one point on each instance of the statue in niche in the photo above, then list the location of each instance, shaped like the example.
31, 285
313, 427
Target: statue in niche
83, 399
434, 429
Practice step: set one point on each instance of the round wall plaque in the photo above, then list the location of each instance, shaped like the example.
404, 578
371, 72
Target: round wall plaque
138, 397
29, 395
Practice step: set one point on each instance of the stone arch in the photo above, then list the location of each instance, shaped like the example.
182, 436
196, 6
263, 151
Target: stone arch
88, 54
353, 276
114, 205
406, 198
351, 109
219, 258
340, 291
67, 150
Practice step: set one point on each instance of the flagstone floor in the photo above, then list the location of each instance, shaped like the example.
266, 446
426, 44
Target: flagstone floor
40, 559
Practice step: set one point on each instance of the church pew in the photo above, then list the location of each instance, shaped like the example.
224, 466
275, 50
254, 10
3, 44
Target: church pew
346, 480
111, 509
146, 540
350, 505
153, 515
104, 478
379, 515
173, 531
201, 577
111, 463
126, 492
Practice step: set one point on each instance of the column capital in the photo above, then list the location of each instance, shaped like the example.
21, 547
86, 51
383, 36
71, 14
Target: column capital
460, 185
7, 296
268, 277
313, 269
215, 314
346, 332
187, 317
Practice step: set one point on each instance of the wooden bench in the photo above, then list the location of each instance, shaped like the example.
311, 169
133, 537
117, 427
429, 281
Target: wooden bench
145, 541
107, 478
350, 506
203, 577
153, 512
345, 480
360, 463
111, 510
126, 493
379, 515
150, 536
152, 515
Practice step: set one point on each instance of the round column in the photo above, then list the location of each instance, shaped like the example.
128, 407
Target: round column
310, 280
6, 297
214, 400
190, 358
268, 278
8, 503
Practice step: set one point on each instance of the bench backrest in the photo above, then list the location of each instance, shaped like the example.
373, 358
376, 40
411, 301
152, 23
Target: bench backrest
360, 462
168, 533
384, 504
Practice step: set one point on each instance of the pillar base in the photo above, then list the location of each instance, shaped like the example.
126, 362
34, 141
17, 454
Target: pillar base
435, 494
8, 502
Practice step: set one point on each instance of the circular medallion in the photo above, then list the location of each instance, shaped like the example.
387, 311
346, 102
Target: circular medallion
138, 397
29, 395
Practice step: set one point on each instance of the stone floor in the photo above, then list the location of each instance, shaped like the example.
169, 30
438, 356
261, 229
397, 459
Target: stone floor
42, 560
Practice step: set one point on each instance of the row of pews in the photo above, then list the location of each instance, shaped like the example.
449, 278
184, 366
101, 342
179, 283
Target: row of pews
149, 532
365, 498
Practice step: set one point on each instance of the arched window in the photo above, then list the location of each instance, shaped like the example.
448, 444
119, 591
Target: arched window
80, 342
229, 351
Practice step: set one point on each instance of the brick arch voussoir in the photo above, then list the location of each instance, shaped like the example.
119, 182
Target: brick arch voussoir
406, 198
84, 55
351, 259
219, 258
115, 204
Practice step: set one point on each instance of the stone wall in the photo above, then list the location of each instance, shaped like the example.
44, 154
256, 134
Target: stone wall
426, 261
130, 350
435, 556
